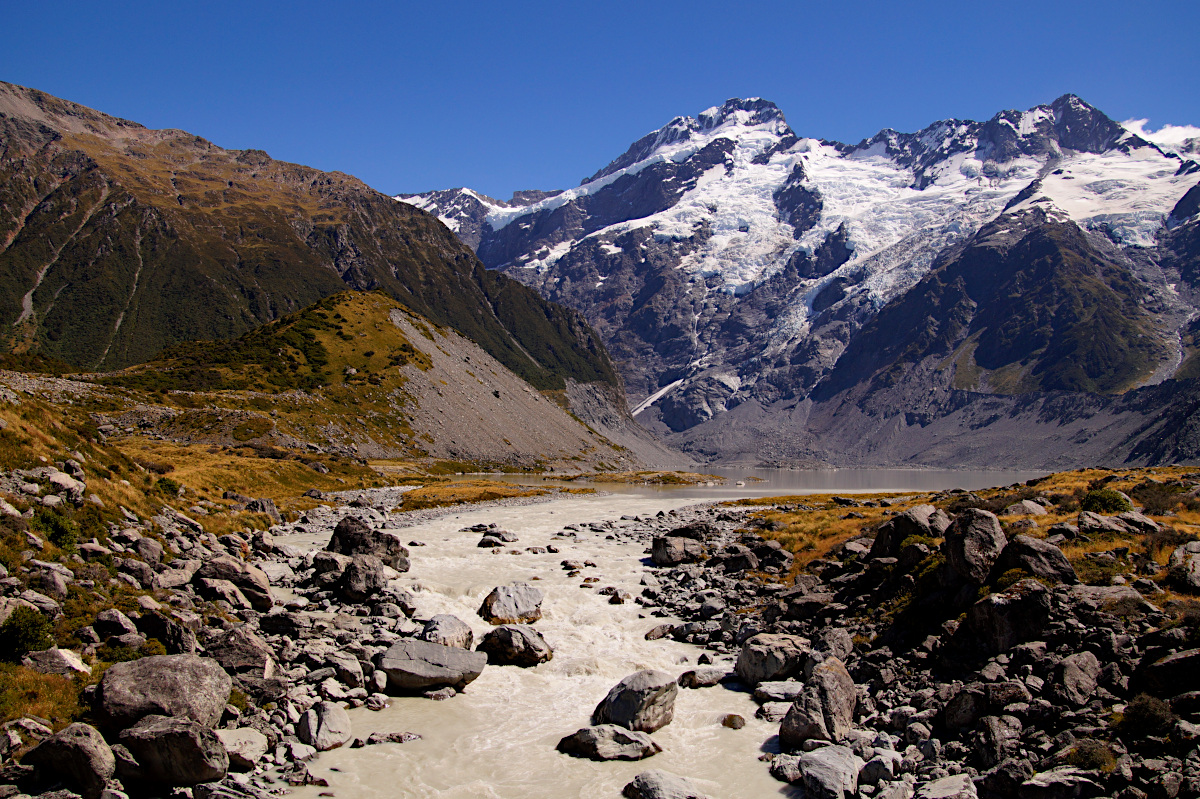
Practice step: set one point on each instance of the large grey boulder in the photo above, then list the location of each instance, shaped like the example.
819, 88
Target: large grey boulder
999, 622
958, 786
176, 751
56, 661
645, 701
973, 542
246, 747
1185, 566
824, 711
830, 772
78, 755
656, 784
609, 742
413, 665
362, 579
520, 603
515, 645
769, 657
1076, 677
671, 550
250, 580
1036, 557
1026, 507
1173, 674
112, 622
353, 536
240, 651
180, 686
448, 630
925, 521
324, 726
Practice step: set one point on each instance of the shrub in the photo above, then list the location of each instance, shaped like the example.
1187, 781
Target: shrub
60, 530
25, 630
1010, 578
1092, 754
167, 486
1105, 500
1146, 715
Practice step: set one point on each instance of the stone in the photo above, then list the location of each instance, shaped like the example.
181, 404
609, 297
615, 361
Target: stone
1185, 566
349, 669
644, 701
324, 726
830, 772
362, 579
175, 637
180, 686
824, 711
149, 550
998, 738
769, 657
1076, 677
973, 542
250, 580
1026, 507
222, 591
609, 742
925, 521
112, 622
246, 747
958, 786
56, 661
353, 536
702, 677
1036, 557
656, 784
515, 645
240, 651
448, 630
998, 622
264, 505
1173, 674
672, 550
176, 751
413, 665
1092, 524
79, 755
778, 691
520, 603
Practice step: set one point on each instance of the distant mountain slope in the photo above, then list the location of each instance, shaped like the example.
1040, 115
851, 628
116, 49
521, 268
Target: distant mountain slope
726, 260
116, 241
359, 374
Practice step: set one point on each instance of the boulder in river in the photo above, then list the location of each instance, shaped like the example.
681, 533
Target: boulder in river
362, 579
671, 550
771, 657
413, 665
657, 784
609, 742
324, 726
824, 710
520, 603
180, 686
353, 536
515, 645
448, 630
645, 701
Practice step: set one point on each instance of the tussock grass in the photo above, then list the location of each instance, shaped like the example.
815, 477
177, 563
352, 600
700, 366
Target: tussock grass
458, 493
25, 692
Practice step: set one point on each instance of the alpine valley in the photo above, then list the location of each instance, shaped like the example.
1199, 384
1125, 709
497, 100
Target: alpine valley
1019, 291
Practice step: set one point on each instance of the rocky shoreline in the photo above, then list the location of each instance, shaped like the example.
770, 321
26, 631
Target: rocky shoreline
895, 667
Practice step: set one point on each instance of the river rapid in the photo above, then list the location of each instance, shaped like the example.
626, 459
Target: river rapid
497, 738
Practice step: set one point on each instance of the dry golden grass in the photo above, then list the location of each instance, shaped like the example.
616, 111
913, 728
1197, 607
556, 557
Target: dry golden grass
461, 492
25, 692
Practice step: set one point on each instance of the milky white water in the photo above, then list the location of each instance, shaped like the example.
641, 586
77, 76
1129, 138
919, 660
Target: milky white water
497, 738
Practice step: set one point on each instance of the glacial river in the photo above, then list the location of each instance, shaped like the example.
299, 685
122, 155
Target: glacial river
497, 739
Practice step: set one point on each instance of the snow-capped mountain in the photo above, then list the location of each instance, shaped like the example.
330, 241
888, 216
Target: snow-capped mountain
727, 260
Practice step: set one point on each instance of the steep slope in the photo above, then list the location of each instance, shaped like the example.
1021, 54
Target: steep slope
116, 241
725, 260
359, 374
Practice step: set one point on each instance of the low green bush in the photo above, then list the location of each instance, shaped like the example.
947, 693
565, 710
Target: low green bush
1104, 500
25, 630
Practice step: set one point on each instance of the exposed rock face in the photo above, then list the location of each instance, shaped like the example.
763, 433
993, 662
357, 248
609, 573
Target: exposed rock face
179, 686
325, 725
643, 701
609, 742
515, 645
771, 656
176, 751
353, 536
77, 753
448, 630
512, 604
413, 665
972, 544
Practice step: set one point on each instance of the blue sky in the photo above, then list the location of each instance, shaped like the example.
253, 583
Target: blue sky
505, 96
